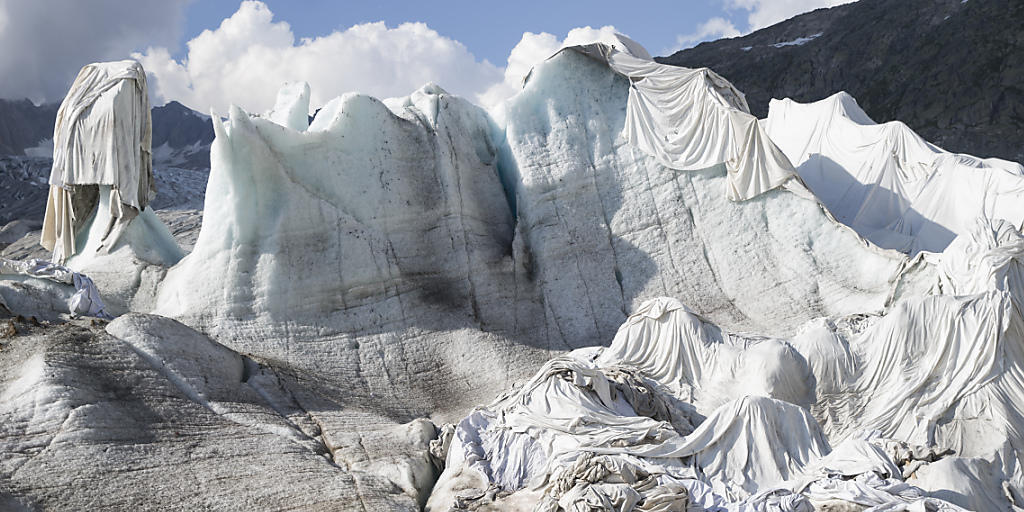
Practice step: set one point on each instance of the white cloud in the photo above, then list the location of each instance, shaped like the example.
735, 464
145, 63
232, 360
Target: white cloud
760, 14
533, 49
44, 44
763, 13
714, 28
247, 58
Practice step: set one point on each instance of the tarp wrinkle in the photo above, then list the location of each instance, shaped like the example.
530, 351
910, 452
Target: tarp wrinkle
693, 119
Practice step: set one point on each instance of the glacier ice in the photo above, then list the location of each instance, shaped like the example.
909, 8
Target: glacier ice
386, 225
409, 258
612, 227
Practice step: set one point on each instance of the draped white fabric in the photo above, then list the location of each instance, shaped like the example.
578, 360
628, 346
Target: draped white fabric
693, 119
885, 181
102, 136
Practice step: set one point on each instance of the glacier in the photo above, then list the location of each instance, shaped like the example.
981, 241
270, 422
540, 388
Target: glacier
664, 303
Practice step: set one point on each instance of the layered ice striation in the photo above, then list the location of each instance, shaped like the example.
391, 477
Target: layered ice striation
373, 247
609, 227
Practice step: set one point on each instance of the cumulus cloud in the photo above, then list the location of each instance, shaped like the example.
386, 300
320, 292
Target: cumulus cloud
533, 49
714, 28
760, 14
763, 13
247, 58
44, 44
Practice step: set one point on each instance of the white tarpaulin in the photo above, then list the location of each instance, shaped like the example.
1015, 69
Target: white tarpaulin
85, 302
693, 119
743, 422
885, 181
102, 136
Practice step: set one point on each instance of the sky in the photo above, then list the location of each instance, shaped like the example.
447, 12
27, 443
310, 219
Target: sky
210, 54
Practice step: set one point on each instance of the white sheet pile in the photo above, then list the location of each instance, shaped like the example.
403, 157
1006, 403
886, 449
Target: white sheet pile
916, 407
885, 181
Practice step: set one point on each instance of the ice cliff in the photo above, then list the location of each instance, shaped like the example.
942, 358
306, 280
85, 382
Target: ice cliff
409, 259
384, 226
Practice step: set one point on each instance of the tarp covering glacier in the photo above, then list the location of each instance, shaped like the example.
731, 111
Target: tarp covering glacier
880, 410
896, 189
744, 422
410, 257
692, 119
102, 136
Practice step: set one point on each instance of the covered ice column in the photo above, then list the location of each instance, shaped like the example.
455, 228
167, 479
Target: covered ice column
102, 141
97, 221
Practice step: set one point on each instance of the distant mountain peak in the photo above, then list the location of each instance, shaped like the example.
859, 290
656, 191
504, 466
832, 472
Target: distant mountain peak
180, 130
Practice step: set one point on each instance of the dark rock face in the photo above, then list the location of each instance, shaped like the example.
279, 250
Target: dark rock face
181, 128
951, 70
185, 132
23, 125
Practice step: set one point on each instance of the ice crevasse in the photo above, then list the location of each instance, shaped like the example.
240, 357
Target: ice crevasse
391, 249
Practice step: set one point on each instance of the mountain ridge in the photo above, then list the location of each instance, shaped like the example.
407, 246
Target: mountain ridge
951, 69
24, 125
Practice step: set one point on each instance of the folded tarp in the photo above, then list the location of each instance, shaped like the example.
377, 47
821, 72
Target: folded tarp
693, 119
103, 136
678, 406
886, 182
85, 302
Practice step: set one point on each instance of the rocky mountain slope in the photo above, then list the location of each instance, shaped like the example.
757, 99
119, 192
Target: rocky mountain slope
949, 69
184, 133
181, 159
24, 125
